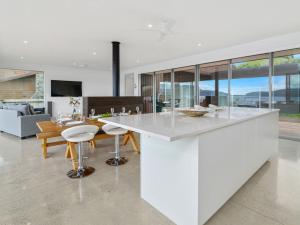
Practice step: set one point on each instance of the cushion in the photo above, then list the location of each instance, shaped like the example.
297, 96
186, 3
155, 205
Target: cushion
31, 110
22, 109
20, 113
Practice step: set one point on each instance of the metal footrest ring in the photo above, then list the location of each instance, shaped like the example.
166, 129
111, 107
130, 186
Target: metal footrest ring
80, 172
116, 161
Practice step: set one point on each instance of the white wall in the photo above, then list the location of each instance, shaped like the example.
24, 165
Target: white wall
94, 82
288, 41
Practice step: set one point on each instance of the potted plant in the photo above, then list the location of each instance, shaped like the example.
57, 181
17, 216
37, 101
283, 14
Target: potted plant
75, 103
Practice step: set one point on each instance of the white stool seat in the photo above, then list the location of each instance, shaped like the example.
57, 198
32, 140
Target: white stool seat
113, 130
116, 131
80, 134
81, 137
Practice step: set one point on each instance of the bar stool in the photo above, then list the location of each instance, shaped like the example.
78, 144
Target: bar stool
116, 131
80, 134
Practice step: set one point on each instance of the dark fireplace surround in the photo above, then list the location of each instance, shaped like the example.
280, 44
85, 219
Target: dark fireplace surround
104, 104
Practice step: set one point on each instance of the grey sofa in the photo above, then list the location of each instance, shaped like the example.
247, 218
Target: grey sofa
12, 122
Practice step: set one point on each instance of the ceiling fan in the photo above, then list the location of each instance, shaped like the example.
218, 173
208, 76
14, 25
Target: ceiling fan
165, 28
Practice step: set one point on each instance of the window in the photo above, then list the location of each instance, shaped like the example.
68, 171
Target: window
286, 85
163, 90
242, 82
250, 82
184, 84
147, 91
20, 86
213, 84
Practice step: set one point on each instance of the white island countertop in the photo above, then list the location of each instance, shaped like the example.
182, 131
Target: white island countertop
171, 126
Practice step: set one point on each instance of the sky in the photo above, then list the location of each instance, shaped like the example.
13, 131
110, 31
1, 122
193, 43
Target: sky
246, 85
243, 86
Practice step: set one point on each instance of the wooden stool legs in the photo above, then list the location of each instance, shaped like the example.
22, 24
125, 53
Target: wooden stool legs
71, 153
130, 137
68, 151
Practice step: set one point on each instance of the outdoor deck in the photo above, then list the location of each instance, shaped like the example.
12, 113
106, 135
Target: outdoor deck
289, 130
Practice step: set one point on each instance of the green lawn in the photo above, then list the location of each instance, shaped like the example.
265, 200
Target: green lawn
289, 115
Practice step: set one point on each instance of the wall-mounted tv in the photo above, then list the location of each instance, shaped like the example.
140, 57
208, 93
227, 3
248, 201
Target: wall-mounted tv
62, 88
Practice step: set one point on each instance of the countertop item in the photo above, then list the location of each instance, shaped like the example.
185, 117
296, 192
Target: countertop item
193, 112
73, 123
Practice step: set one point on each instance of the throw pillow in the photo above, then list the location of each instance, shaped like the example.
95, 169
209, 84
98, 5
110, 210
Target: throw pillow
31, 109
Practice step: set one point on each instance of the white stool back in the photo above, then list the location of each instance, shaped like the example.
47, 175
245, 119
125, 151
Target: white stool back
72, 132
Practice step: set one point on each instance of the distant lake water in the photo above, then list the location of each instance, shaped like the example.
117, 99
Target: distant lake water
252, 100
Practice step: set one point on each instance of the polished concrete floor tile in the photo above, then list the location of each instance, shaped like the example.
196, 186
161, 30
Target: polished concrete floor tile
235, 214
34, 191
274, 191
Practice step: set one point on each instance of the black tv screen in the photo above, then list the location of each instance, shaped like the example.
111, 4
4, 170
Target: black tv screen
61, 88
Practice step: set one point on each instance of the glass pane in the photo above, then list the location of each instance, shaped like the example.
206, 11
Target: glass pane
213, 85
250, 84
163, 91
184, 81
147, 92
19, 86
286, 87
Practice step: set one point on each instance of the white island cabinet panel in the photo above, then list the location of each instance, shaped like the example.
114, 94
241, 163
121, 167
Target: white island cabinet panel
169, 177
191, 166
228, 157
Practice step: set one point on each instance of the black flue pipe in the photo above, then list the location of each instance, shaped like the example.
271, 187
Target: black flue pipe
116, 67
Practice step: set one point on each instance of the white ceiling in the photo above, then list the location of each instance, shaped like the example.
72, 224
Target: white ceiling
67, 32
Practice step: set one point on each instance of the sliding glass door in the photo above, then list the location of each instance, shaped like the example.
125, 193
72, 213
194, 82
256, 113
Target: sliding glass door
213, 84
270, 80
184, 85
163, 90
250, 82
286, 85
147, 91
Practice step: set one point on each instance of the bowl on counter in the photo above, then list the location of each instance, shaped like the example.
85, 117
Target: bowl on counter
193, 112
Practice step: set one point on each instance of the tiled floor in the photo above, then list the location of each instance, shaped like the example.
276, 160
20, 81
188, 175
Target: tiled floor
34, 191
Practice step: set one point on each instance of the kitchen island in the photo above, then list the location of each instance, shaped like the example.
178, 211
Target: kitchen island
190, 166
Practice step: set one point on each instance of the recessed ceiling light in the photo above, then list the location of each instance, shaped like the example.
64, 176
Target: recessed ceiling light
150, 25
82, 65
74, 63
94, 53
25, 42
137, 61
199, 44
22, 57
